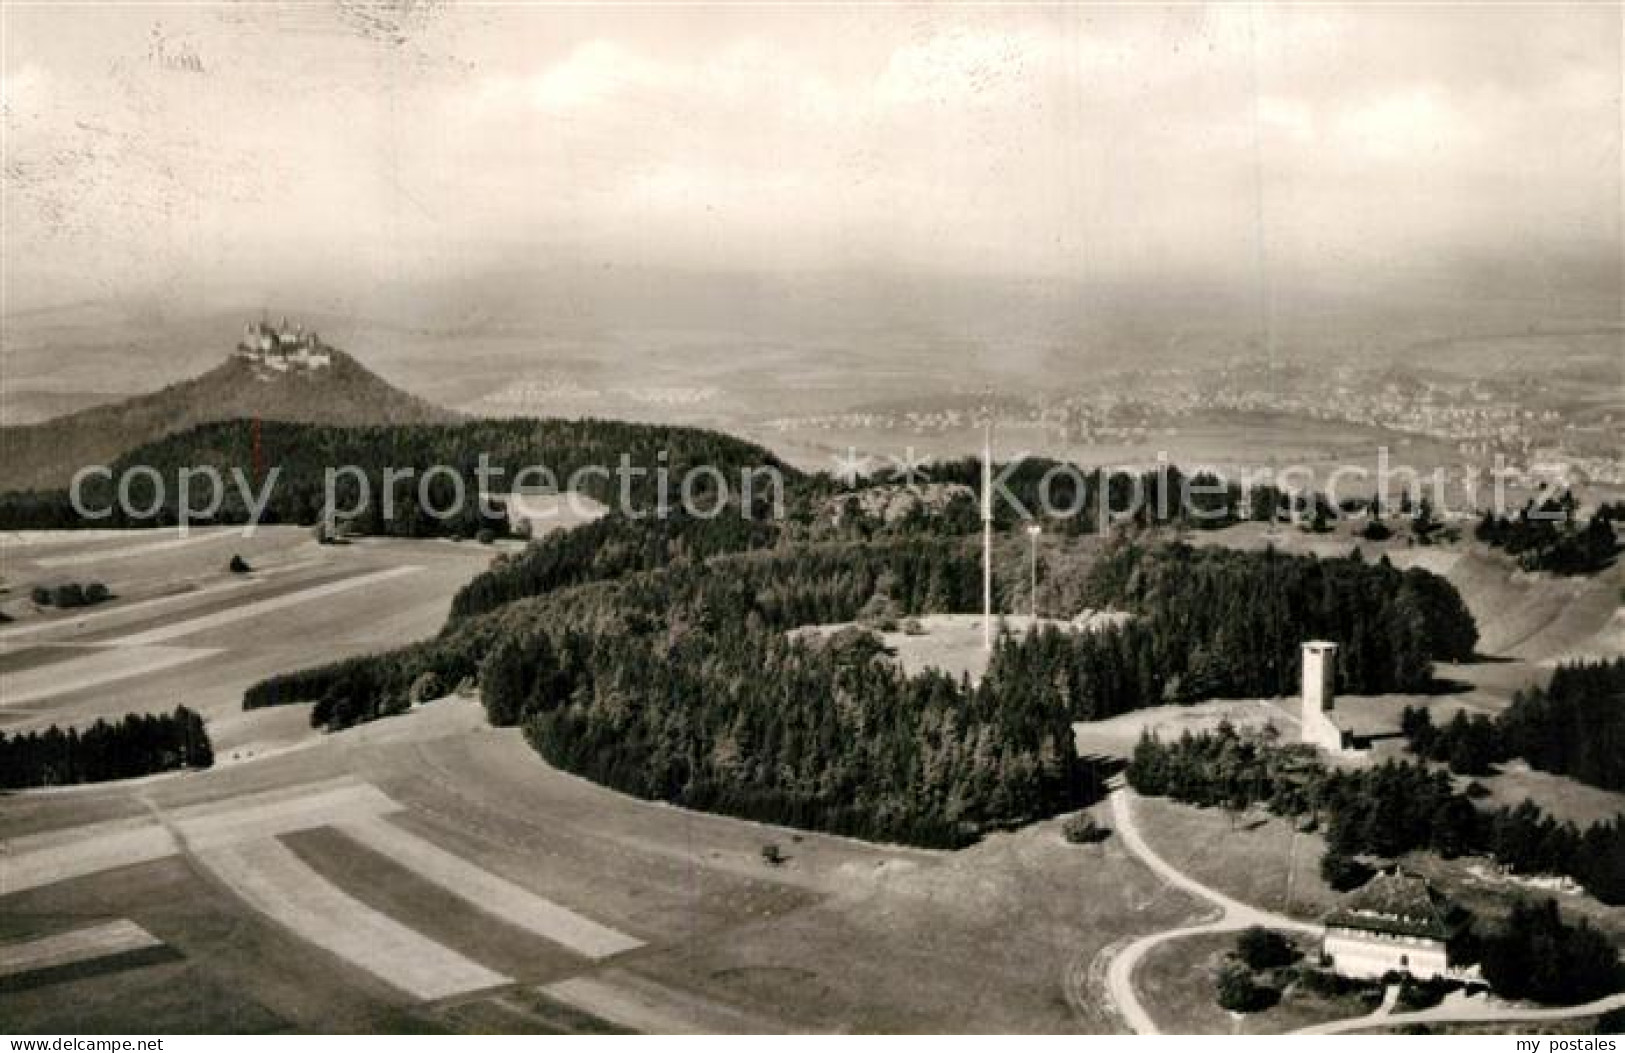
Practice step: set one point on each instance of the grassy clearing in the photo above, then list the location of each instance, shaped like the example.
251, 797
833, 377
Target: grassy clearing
951, 643
1566, 799
1260, 860
546, 513
1000, 937
1176, 983
1116, 737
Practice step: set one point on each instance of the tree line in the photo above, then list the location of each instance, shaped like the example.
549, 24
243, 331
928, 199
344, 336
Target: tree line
1214, 622
1546, 535
657, 459
689, 683
1574, 726
1384, 811
138, 744
1534, 954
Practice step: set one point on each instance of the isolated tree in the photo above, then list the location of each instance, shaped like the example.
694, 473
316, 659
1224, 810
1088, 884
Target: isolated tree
1260, 948
1343, 872
1080, 828
1238, 992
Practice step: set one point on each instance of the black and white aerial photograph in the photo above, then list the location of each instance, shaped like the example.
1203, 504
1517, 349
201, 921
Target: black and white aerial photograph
830, 518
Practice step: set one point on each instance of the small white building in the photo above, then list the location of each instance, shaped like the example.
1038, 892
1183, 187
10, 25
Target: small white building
1397, 923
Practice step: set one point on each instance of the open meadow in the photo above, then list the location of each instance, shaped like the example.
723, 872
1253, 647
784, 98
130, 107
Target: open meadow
428, 872
182, 629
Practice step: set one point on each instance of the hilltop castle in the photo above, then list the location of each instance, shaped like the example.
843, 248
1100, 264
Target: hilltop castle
283, 347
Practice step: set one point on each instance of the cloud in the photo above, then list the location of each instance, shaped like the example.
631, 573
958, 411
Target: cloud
1408, 124
1079, 141
22, 90
594, 72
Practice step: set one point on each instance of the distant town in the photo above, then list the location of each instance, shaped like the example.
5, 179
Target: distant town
1478, 418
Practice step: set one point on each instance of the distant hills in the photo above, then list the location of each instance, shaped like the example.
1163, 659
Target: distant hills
46, 455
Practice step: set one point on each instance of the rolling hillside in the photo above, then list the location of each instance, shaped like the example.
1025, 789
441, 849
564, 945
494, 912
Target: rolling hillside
1536, 618
45, 455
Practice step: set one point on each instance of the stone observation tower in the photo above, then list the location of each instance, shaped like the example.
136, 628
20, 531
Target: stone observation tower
1319, 694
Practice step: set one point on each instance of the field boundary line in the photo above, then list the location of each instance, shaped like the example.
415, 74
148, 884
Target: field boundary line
74, 946
494, 895
268, 876
231, 615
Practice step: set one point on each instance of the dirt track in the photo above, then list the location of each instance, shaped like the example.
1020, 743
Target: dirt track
1232, 916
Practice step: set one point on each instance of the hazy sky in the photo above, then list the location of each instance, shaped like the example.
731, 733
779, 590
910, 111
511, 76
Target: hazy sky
221, 150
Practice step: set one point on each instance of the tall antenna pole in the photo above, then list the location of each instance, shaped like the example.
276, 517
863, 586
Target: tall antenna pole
987, 530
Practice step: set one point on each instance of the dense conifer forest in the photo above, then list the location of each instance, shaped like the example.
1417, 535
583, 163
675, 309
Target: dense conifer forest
688, 683
1575, 726
1535, 955
609, 548
138, 744
304, 453
1215, 622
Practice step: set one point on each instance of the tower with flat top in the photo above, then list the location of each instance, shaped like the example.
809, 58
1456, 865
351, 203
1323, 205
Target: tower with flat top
1319, 696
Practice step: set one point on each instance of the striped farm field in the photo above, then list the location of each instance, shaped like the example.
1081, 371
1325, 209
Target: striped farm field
274, 881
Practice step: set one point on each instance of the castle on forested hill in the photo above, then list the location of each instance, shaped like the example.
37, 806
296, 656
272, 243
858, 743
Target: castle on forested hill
283, 347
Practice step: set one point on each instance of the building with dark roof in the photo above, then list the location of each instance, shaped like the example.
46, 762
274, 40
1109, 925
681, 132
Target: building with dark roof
1396, 923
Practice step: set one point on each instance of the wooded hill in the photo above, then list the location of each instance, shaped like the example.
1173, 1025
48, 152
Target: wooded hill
682, 683
304, 453
45, 456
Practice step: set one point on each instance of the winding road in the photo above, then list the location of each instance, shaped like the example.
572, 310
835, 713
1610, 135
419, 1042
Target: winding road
1234, 915
1479, 1010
